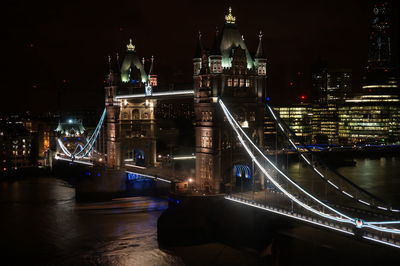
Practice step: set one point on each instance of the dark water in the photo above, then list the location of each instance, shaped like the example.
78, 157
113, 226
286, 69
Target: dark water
379, 176
42, 224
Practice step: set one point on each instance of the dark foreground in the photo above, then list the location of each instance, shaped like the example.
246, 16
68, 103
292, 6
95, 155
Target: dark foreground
42, 224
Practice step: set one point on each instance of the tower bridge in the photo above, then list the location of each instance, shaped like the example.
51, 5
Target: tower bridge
228, 107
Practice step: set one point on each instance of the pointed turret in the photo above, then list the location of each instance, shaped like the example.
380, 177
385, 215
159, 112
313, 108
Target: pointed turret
113, 76
151, 66
117, 65
152, 75
230, 19
215, 55
199, 47
197, 56
260, 59
231, 38
215, 48
259, 53
132, 69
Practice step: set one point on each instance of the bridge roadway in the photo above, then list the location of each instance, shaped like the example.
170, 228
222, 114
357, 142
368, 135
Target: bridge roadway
161, 173
276, 202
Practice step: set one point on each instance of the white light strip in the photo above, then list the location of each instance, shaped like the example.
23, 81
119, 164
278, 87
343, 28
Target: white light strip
73, 161
382, 229
382, 208
94, 132
305, 159
344, 192
273, 114
293, 144
288, 215
316, 170
232, 121
157, 94
333, 184
140, 95
386, 222
136, 166
63, 148
382, 242
184, 157
366, 203
94, 136
163, 180
182, 92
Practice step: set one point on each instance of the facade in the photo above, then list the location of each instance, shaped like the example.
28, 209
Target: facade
130, 121
331, 86
362, 120
299, 118
230, 72
16, 146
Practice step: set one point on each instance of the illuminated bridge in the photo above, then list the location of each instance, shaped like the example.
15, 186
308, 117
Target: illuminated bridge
333, 202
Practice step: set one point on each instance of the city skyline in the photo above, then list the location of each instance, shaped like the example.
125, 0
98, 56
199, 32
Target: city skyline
66, 47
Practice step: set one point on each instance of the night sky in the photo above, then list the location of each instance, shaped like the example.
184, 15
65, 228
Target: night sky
55, 48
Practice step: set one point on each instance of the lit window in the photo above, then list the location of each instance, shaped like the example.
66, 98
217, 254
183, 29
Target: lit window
229, 82
235, 82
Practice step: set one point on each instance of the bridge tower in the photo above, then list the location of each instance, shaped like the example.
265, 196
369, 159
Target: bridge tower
131, 127
112, 117
229, 71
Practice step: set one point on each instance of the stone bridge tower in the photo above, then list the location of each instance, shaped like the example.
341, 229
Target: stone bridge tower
131, 127
229, 71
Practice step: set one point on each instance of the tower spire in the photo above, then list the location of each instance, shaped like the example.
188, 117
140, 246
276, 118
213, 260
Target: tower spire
259, 53
130, 46
230, 19
151, 66
199, 47
109, 64
215, 48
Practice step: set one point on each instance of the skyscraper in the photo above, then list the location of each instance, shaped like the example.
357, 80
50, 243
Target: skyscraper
381, 75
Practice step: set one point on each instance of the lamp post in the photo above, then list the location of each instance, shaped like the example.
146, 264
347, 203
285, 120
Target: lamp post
190, 181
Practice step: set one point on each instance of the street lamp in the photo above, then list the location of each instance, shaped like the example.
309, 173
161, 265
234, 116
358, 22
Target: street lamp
190, 181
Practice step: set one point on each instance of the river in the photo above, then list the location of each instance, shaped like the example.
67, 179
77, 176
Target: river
42, 223
379, 176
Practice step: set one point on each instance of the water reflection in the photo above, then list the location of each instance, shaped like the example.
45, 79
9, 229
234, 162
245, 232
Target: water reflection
42, 224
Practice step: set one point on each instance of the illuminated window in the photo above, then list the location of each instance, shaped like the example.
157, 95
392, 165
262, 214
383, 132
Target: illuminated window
229, 82
235, 82
247, 83
241, 82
